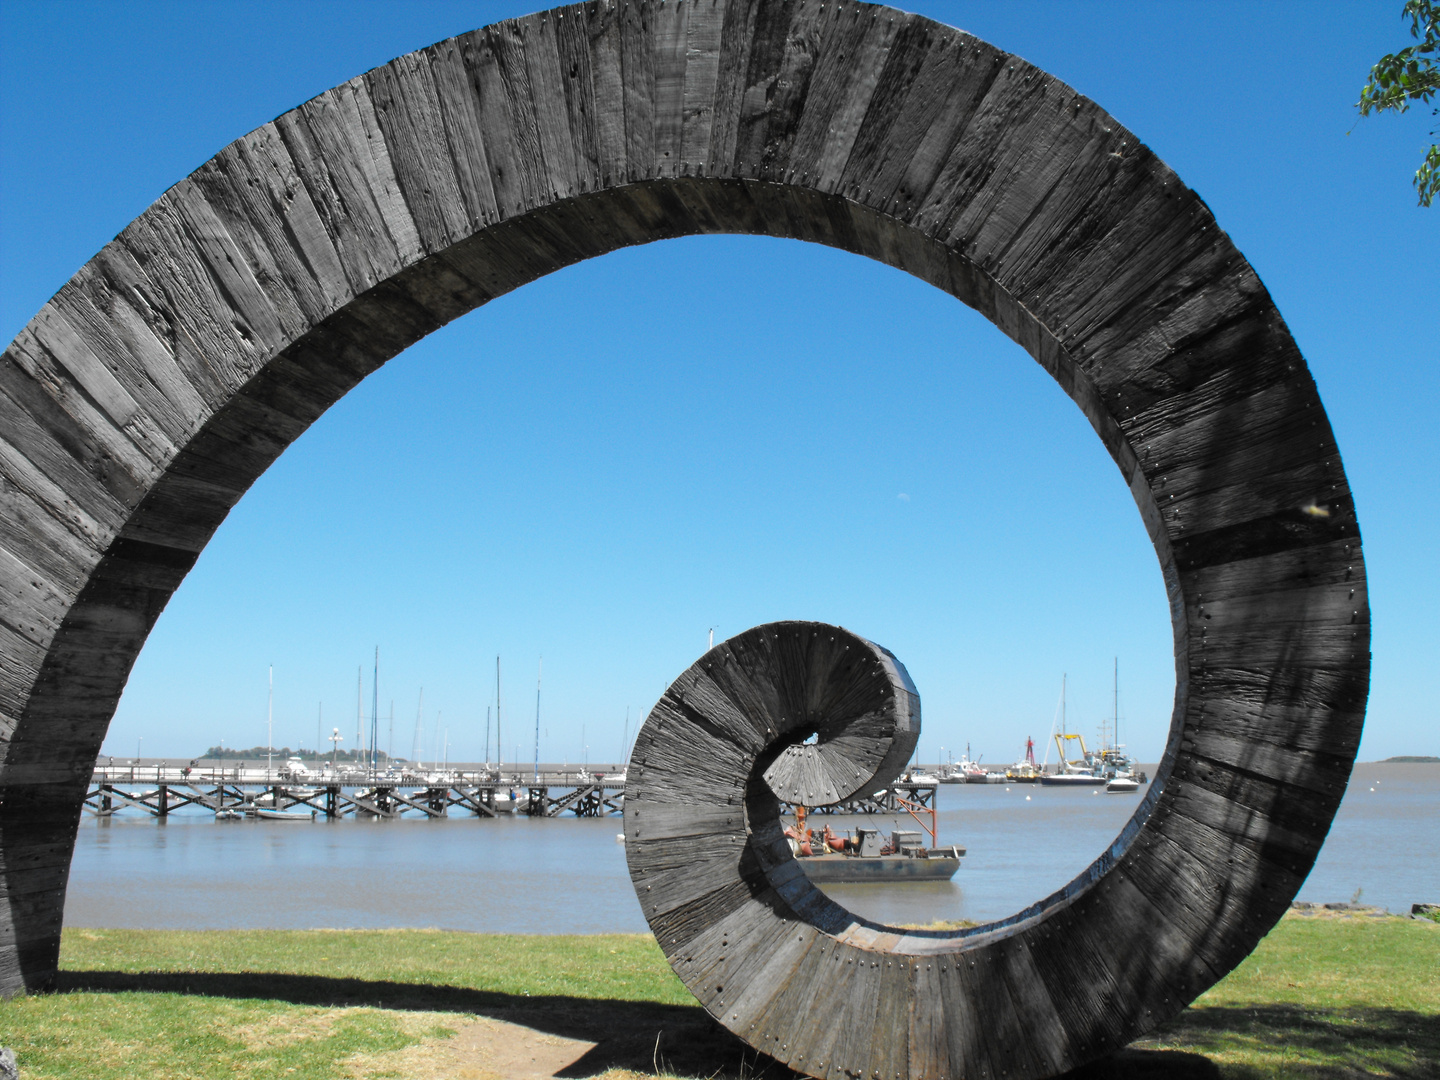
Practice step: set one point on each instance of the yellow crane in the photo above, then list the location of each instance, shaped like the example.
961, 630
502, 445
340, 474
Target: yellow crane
1066, 763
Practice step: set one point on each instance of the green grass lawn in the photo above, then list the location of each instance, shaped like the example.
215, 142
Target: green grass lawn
1323, 996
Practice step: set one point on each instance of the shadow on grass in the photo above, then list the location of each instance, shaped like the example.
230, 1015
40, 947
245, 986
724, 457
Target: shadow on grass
634, 1035
1132, 1064
684, 1039
1315, 1042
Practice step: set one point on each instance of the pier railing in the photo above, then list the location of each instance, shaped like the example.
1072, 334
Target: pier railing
247, 791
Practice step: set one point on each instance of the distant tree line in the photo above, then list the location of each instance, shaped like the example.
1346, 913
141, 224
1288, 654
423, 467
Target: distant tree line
231, 753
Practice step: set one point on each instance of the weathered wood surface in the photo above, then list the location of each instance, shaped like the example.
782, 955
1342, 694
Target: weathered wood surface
144, 399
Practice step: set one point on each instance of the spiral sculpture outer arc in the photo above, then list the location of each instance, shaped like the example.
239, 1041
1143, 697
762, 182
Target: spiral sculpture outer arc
143, 400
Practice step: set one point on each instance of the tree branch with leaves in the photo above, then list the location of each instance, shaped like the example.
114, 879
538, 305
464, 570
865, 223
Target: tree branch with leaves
1407, 76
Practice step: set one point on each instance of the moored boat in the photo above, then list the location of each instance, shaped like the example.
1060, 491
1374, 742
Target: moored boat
1112, 762
936, 865
863, 856
1082, 771
1024, 771
1075, 777
283, 815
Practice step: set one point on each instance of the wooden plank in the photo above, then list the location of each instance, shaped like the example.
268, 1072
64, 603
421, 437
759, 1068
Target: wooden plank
920, 109
607, 73
39, 448
667, 37
732, 83
775, 77
56, 557
704, 31
77, 428
583, 111
459, 110
1217, 890
637, 76
1257, 811
857, 46
196, 314
348, 188
507, 158
1095, 1006
727, 952
255, 190
266, 317
551, 103
408, 111
103, 313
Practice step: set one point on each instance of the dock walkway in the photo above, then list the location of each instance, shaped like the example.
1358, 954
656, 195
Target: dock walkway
161, 790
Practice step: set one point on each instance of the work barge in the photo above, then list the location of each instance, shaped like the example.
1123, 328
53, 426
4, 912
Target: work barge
161, 790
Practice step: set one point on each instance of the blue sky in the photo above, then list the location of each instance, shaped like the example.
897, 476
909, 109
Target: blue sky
724, 431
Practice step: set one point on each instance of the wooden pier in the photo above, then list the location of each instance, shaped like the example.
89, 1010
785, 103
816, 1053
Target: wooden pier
160, 790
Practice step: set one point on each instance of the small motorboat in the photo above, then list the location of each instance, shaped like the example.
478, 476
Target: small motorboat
283, 815
1122, 784
509, 802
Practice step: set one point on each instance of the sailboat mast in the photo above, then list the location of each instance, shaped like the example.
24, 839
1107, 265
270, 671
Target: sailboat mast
269, 726
374, 710
540, 671
499, 746
359, 712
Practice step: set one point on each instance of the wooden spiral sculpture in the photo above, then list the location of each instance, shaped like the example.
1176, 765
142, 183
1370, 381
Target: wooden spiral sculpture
144, 399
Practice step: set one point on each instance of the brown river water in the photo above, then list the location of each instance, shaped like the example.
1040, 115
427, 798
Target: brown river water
562, 876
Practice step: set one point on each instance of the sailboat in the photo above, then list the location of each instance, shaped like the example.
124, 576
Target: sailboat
1115, 763
1074, 772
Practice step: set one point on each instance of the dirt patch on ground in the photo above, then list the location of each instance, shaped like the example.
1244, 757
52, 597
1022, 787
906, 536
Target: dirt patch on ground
284, 1029
479, 1049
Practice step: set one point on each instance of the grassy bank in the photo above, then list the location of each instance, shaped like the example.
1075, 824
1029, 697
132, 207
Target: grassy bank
1324, 995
